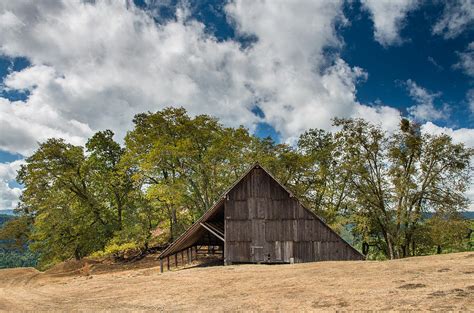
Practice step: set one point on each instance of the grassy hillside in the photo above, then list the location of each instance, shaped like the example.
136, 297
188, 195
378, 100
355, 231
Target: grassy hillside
438, 282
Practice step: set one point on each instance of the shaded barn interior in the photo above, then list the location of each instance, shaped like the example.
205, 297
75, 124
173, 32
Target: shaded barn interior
258, 220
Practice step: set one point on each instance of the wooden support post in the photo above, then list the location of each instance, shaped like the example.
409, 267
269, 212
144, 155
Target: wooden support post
182, 257
196, 250
189, 256
161, 265
225, 257
175, 260
208, 243
168, 263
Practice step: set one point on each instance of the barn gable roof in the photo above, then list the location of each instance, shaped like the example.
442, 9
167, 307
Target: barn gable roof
192, 234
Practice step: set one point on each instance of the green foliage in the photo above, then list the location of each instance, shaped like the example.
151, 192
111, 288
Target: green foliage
14, 251
372, 187
394, 179
15, 258
186, 163
115, 249
448, 232
75, 202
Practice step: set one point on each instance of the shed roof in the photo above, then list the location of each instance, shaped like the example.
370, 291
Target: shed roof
192, 234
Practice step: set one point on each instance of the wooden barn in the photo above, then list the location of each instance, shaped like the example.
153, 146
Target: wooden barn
258, 220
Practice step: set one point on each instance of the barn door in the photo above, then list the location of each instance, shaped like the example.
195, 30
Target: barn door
258, 241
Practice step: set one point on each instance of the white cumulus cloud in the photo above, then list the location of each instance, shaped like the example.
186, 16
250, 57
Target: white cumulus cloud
95, 65
425, 109
9, 195
461, 135
466, 60
389, 17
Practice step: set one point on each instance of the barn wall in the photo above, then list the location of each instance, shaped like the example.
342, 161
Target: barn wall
264, 224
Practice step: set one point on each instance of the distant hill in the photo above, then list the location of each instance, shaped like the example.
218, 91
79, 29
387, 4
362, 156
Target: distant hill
11, 257
7, 212
468, 215
4, 218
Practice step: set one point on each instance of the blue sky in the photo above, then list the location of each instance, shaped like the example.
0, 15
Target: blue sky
278, 67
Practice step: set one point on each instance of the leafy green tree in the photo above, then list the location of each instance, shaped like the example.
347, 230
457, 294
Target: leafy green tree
447, 231
110, 178
75, 201
185, 163
325, 188
67, 219
395, 179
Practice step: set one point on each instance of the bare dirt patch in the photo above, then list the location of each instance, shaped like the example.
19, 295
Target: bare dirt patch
321, 286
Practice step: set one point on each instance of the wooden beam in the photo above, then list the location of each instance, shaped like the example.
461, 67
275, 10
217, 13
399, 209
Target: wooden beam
212, 232
161, 265
215, 229
168, 263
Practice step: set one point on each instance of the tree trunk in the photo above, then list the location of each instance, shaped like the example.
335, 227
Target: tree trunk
171, 229
77, 254
404, 251
119, 216
174, 219
365, 248
391, 253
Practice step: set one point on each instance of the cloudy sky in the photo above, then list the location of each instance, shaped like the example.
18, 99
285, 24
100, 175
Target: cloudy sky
70, 68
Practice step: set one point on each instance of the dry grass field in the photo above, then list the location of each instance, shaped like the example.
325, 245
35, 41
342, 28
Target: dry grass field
444, 282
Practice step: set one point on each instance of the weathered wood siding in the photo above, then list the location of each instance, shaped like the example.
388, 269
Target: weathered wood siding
264, 224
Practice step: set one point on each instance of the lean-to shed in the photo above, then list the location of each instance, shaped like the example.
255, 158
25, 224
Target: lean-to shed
258, 220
